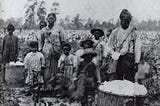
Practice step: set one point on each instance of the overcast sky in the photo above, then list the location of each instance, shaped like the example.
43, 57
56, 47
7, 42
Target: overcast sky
96, 9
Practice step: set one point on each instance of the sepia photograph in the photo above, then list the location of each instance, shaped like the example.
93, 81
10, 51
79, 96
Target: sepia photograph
79, 53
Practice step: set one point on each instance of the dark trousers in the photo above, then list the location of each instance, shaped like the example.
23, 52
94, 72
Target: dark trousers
125, 67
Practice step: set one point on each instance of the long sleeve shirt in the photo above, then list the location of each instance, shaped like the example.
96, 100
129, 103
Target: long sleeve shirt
55, 35
131, 44
34, 61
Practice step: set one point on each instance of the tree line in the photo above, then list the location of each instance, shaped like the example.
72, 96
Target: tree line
35, 11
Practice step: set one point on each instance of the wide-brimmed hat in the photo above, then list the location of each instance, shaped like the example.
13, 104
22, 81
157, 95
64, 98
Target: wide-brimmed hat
97, 32
89, 42
89, 53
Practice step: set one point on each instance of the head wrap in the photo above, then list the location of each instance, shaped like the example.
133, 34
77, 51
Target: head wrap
125, 14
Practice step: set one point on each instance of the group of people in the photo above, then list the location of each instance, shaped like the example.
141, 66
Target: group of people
97, 59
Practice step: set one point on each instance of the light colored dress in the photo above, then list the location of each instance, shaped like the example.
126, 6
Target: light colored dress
34, 62
67, 63
51, 49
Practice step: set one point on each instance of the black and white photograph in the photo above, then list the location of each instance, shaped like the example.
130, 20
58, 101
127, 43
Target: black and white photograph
79, 52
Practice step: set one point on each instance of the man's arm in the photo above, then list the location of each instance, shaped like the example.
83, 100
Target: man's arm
111, 43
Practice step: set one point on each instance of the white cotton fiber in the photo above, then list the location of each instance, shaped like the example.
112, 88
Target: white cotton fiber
123, 87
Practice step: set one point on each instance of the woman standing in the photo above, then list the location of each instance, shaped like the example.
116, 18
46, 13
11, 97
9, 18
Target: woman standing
53, 39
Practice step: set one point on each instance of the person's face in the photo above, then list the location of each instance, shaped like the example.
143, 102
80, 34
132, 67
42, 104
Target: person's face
96, 36
10, 31
42, 25
66, 50
51, 19
125, 23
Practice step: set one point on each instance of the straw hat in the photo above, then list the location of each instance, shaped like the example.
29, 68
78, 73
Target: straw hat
97, 32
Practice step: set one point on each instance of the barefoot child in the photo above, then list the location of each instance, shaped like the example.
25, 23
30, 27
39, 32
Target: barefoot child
67, 61
34, 65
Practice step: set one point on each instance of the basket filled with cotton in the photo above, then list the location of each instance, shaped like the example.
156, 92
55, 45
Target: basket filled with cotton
121, 93
14, 74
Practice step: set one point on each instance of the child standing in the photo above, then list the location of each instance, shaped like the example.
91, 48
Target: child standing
9, 48
67, 61
34, 65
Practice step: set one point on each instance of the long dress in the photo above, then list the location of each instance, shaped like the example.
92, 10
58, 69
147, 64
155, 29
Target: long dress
67, 63
52, 49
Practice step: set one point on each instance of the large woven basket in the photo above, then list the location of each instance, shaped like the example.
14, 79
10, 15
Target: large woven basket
14, 76
109, 99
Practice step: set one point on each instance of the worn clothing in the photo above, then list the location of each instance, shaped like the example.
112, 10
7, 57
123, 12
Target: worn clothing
52, 49
54, 35
128, 44
87, 80
131, 45
125, 67
10, 48
34, 62
67, 63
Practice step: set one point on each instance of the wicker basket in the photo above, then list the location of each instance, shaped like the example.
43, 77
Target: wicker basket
14, 76
109, 99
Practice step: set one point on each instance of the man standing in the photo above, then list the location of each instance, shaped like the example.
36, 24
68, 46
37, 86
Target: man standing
125, 42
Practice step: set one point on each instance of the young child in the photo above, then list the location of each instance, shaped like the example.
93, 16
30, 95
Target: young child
10, 46
67, 61
34, 65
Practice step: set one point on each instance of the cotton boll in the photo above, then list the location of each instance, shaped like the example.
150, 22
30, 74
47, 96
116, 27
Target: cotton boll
123, 87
